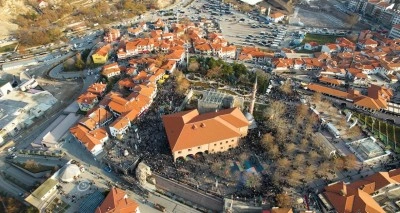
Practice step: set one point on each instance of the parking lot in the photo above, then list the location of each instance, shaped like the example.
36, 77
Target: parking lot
319, 19
240, 29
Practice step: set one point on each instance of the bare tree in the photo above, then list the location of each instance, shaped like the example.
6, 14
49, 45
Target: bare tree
352, 20
354, 132
216, 168
309, 173
245, 7
323, 168
283, 163
281, 133
317, 97
350, 161
31, 164
275, 110
304, 144
243, 156
182, 86
283, 200
273, 151
339, 163
267, 140
286, 88
299, 159
342, 122
294, 177
308, 130
194, 66
290, 147
302, 110
314, 155
253, 180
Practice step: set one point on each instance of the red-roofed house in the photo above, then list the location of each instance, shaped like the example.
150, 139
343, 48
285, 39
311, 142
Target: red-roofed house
111, 70
117, 201
362, 44
119, 126
93, 140
330, 48
190, 133
135, 31
311, 45
87, 101
227, 52
111, 35
97, 89
359, 195
276, 17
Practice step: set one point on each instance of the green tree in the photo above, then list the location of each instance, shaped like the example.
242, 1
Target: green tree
240, 69
79, 63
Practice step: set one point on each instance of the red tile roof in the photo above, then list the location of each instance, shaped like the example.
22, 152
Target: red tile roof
356, 196
189, 129
117, 201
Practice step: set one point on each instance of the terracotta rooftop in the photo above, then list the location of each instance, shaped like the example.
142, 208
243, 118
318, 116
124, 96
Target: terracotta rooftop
117, 201
276, 15
103, 50
189, 129
330, 80
88, 138
356, 196
86, 98
97, 88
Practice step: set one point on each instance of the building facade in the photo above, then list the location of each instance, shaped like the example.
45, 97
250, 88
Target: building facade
190, 133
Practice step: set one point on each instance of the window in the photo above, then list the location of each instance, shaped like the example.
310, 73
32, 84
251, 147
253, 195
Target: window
222, 147
189, 150
198, 147
215, 144
226, 142
212, 150
232, 140
179, 152
230, 146
220, 143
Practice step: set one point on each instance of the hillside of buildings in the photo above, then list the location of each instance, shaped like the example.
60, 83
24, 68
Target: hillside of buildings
40, 22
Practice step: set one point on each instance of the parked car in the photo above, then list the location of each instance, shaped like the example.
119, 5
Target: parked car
11, 149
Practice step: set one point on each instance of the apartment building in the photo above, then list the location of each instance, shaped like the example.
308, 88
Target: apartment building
395, 31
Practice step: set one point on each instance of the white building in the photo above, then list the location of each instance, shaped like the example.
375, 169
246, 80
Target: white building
119, 127
276, 17
5, 89
368, 150
19, 109
395, 31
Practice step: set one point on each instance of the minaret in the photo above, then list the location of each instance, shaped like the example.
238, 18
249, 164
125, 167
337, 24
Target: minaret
253, 97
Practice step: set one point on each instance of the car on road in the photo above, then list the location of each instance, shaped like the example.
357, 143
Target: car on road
11, 149
159, 207
12, 156
107, 169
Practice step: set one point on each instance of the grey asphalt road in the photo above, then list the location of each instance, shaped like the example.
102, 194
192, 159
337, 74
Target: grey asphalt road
207, 201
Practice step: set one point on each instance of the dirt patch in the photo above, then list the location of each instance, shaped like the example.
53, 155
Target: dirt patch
62, 90
8, 12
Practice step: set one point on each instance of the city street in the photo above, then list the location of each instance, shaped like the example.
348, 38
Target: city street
206, 201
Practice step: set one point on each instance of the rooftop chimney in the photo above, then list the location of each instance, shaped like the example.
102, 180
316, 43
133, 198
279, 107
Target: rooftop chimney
194, 126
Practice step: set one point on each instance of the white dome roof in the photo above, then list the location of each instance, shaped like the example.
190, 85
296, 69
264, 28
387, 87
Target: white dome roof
249, 116
70, 171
